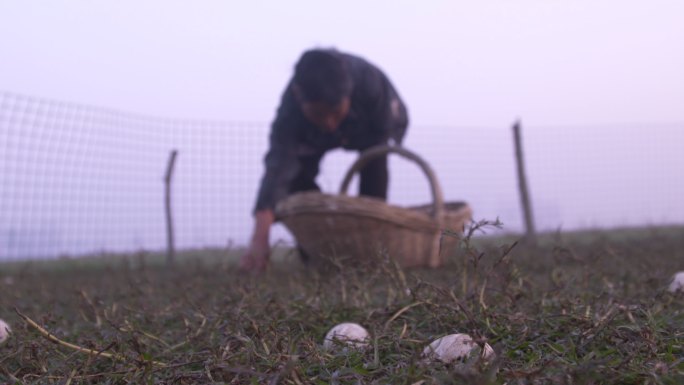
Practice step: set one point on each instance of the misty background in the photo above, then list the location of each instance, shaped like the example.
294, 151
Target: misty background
94, 95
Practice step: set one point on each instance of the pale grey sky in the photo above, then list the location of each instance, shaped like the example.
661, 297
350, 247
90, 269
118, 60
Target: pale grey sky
455, 62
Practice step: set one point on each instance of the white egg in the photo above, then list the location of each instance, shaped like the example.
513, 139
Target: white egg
456, 348
4, 331
677, 283
348, 333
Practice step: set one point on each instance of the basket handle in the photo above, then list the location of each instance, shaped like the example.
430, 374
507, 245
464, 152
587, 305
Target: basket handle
377, 151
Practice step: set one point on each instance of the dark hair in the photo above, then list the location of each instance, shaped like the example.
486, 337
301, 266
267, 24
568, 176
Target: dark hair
323, 76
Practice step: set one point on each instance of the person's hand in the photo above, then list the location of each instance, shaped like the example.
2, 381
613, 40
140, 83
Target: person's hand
255, 259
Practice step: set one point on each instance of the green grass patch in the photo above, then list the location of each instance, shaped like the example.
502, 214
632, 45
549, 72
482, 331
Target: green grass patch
580, 308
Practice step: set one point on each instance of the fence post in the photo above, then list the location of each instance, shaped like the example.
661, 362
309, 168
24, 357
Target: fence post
170, 248
530, 232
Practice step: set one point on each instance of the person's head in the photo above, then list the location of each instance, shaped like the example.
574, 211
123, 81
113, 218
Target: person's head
322, 85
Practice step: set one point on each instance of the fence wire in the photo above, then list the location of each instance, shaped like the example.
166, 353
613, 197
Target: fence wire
77, 179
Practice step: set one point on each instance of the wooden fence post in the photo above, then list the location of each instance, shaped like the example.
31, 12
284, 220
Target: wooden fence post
530, 232
170, 247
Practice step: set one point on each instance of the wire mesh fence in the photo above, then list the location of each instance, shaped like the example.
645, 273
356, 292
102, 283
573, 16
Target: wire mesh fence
77, 179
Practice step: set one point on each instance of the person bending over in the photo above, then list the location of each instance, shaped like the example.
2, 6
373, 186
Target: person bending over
334, 99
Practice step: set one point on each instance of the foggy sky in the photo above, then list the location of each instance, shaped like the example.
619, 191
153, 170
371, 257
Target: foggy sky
455, 62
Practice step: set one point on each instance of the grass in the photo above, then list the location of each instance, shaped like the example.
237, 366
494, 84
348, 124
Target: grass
581, 308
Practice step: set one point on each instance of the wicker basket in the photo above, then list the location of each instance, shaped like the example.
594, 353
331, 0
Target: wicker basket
358, 229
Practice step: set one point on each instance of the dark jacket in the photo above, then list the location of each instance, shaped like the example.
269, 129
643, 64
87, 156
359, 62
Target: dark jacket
377, 114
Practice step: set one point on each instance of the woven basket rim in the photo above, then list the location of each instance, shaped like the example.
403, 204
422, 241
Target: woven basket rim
324, 204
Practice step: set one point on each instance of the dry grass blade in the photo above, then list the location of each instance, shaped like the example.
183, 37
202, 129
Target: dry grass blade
51, 337
401, 311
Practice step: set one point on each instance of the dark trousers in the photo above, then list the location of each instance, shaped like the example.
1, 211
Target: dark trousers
373, 182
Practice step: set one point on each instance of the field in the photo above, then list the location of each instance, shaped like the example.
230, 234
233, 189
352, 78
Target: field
579, 308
